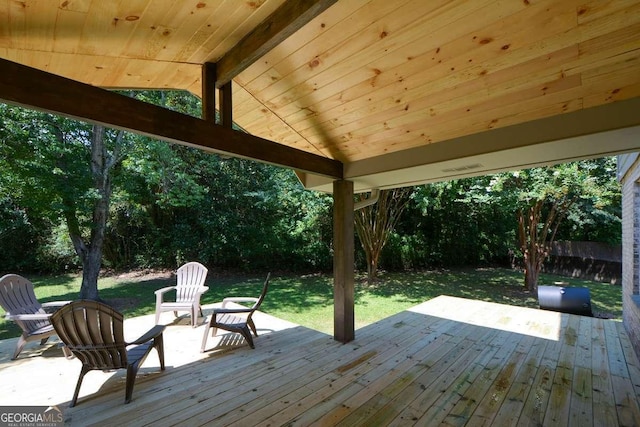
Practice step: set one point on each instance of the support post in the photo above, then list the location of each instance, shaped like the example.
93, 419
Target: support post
226, 106
209, 74
343, 261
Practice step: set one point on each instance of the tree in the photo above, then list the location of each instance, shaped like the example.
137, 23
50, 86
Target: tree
63, 170
374, 224
537, 227
542, 199
90, 252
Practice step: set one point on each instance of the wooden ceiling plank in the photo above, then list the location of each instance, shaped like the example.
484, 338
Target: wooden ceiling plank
406, 40
176, 76
596, 9
33, 88
469, 94
147, 37
431, 96
424, 126
612, 43
225, 21
103, 22
347, 37
271, 127
621, 73
481, 122
370, 52
460, 98
184, 21
477, 127
203, 33
331, 17
427, 66
6, 41
131, 11
276, 130
620, 93
70, 18
40, 21
285, 21
243, 25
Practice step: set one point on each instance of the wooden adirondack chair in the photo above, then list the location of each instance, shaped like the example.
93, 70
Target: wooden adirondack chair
93, 332
237, 320
19, 301
189, 288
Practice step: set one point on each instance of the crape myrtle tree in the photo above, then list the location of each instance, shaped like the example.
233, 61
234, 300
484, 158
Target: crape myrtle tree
542, 199
375, 223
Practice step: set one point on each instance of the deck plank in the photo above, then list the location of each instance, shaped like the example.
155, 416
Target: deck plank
510, 411
448, 361
604, 409
323, 396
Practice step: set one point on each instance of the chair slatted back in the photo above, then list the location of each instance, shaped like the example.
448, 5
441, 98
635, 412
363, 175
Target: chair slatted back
93, 331
190, 277
263, 294
18, 297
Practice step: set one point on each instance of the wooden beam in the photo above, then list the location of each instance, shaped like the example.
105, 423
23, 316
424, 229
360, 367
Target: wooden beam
343, 259
209, 92
32, 88
226, 106
282, 23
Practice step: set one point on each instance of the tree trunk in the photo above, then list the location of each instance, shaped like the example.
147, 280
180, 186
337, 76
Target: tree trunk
536, 234
100, 167
375, 223
372, 269
90, 253
531, 274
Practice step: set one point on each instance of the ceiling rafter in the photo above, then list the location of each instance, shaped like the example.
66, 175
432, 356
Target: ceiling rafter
32, 88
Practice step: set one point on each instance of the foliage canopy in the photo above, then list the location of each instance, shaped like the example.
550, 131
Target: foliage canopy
171, 204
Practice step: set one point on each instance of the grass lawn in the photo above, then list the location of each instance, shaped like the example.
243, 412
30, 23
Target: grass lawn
308, 300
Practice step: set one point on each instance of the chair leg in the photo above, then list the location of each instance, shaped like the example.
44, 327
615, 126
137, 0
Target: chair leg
197, 309
19, 346
158, 343
204, 338
79, 383
132, 371
252, 326
247, 334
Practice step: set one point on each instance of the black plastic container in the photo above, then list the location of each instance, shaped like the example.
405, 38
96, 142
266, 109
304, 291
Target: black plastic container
565, 299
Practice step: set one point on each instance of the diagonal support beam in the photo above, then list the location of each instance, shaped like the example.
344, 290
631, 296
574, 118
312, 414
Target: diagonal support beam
32, 88
282, 23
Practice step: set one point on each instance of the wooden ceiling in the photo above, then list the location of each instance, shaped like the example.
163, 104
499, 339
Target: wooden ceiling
400, 92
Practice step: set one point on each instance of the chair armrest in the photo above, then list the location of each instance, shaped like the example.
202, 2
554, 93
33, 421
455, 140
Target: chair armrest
232, 310
14, 317
238, 299
150, 334
56, 304
164, 290
202, 290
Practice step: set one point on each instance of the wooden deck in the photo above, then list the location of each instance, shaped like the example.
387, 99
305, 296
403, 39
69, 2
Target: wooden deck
447, 361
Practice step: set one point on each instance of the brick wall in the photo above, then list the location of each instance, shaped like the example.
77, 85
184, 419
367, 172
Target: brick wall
629, 177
